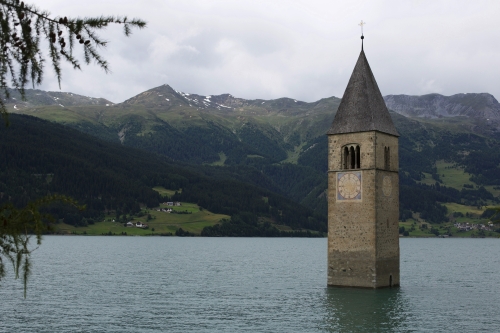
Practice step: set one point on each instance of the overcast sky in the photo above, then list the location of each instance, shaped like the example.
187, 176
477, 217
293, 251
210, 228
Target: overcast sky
303, 49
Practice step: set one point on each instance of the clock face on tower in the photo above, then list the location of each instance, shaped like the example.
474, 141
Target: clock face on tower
349, 186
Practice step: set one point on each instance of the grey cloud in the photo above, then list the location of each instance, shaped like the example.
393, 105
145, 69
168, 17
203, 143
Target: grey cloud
302, 50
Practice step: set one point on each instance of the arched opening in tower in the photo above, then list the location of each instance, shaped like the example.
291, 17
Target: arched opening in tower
346, 158
353, 157
358, 158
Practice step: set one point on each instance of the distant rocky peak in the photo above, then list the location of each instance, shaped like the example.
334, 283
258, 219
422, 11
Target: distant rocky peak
474, 105
220, 102
162, 95
165, 95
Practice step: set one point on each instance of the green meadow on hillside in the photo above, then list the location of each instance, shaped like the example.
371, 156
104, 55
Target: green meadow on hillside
165, 192
457, 214
188, 216
450, 175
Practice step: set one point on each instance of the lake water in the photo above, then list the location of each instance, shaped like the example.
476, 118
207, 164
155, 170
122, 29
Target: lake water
172, 284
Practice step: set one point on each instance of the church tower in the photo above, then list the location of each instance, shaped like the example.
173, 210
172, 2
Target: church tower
363, 187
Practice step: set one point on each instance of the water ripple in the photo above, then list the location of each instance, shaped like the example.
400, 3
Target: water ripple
153, 284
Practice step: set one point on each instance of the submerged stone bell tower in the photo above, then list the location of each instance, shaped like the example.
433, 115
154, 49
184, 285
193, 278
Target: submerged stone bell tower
363, 187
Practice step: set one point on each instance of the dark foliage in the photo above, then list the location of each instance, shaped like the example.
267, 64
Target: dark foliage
311, 158
201, 144
247, 225
255, 138
38, 157
231, 197
183, 233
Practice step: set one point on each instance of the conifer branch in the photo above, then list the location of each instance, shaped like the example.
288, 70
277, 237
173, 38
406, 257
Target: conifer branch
16, 227
24, 27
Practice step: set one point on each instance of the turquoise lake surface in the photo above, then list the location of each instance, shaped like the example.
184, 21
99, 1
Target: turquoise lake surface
172, 284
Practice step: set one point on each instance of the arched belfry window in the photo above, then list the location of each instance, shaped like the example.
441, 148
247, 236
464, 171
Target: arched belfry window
387, 158
351, 157
358, 155
345, 158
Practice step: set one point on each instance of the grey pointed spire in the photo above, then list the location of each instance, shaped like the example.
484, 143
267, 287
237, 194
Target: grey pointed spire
362, 107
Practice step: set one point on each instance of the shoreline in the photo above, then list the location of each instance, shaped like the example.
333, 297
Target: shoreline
199, 236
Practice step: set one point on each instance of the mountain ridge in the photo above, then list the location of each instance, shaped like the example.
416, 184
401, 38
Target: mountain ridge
475, 105
37, 97
281, 144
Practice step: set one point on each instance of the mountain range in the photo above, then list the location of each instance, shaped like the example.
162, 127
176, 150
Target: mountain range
280, 145
483, 106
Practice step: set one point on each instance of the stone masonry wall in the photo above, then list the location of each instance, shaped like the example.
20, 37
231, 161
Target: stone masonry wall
387, 210
363, 249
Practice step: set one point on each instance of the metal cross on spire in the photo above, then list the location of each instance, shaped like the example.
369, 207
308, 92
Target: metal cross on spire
361, 24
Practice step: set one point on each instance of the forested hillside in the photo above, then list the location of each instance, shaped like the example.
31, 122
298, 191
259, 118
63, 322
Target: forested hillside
280, 145
38, 157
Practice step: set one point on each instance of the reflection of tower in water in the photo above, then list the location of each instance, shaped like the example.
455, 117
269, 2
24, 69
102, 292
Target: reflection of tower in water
361, 310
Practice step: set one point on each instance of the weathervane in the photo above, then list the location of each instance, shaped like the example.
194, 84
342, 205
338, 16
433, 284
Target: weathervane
361, 24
